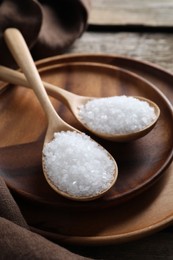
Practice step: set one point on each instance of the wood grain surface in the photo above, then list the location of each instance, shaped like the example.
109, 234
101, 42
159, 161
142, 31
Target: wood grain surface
153, 13
153, 47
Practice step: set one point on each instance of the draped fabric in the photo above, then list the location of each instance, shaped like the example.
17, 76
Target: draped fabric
17, 241
49, 27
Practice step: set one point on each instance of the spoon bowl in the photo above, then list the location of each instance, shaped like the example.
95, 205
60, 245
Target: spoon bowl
74, 102
20, 52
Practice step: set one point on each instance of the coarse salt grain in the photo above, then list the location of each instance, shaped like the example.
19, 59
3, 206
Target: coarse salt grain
117, 115
77, 165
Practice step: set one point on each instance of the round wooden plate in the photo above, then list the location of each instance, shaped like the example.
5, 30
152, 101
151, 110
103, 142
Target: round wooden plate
23, 126
145, 214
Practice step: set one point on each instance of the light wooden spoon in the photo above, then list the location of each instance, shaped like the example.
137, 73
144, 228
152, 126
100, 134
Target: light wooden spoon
73, 102
20, 52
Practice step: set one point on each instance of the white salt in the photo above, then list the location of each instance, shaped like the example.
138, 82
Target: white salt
78, 165
117, 115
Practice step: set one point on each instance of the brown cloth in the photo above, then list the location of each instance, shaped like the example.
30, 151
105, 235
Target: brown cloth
17, 241
49, 27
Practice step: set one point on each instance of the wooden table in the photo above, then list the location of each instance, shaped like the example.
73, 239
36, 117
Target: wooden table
142, 30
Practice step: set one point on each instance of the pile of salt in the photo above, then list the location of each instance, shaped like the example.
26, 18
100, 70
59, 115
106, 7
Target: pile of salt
78, 165
117, 115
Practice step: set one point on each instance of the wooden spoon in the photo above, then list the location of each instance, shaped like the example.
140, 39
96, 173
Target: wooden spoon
20, 52
73, 102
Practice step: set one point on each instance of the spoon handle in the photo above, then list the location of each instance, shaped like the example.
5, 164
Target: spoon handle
21, 53
18, 78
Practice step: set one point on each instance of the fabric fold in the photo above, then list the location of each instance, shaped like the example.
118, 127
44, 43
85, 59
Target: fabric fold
8, 208
49, 27
24, 15
17, 241
63, 21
